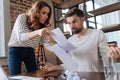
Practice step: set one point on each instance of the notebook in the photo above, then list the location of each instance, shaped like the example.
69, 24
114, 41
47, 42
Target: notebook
3, 76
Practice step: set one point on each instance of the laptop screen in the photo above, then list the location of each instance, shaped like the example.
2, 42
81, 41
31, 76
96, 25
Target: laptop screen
3, 76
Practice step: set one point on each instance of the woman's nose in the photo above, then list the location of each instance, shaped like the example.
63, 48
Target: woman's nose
46, 16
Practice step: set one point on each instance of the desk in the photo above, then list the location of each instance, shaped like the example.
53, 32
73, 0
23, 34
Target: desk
85, 75
37, 73
92, 75
40, 74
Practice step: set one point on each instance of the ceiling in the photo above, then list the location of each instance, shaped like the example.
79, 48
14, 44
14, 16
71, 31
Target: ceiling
66, 3
70, 3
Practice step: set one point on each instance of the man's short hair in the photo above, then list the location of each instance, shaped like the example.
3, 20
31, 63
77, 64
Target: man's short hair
74, 11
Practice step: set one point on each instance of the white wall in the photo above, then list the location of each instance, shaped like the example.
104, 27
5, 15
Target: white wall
4, 26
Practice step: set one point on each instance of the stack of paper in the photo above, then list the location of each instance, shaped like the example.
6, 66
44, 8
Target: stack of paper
61, 40
62, 49
24, 78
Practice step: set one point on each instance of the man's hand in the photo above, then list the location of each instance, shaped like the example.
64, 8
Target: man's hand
47, 67
114, 51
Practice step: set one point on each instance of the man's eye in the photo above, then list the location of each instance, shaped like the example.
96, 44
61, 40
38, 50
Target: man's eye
68, 23
74, 22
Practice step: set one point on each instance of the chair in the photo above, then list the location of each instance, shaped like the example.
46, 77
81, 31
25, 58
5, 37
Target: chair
40, 56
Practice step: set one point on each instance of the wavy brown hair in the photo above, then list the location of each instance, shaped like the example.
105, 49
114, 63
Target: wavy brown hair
33, 16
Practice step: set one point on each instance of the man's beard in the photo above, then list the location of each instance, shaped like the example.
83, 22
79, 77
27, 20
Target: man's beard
75, 31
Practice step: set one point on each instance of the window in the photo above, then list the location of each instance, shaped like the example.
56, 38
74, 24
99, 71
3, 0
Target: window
102, 20
113, 36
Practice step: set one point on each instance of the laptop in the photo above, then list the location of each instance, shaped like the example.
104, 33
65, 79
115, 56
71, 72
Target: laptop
3, 76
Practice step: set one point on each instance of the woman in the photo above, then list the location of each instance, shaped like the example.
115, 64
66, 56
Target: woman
29, 29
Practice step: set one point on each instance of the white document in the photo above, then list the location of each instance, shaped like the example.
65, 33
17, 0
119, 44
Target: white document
65, 57
25, 78
61, 40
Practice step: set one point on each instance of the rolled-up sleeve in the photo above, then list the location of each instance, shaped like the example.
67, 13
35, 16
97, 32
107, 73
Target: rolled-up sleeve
21, 28
103, 50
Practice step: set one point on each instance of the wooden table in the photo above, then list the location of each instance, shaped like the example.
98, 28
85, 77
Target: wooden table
92, 75
40, 74
83, 75
37, 73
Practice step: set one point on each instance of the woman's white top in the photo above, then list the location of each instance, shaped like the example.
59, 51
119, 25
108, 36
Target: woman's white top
19, 34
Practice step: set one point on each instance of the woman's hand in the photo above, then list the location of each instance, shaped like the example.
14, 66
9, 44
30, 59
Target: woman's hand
44, 32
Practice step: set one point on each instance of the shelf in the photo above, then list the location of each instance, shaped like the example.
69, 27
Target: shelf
105, 9
110, 28
70, 3
100, 11
96, 12
61, 20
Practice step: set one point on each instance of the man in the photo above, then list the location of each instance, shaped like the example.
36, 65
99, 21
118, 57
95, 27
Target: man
91, 45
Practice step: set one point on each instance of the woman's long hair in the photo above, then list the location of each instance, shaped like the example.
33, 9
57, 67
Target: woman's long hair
33, 16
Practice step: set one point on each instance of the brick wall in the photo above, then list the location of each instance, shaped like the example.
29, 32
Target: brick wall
17, 7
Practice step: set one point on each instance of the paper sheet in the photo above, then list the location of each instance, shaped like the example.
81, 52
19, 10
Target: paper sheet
65, 58
25, 78
61, 40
